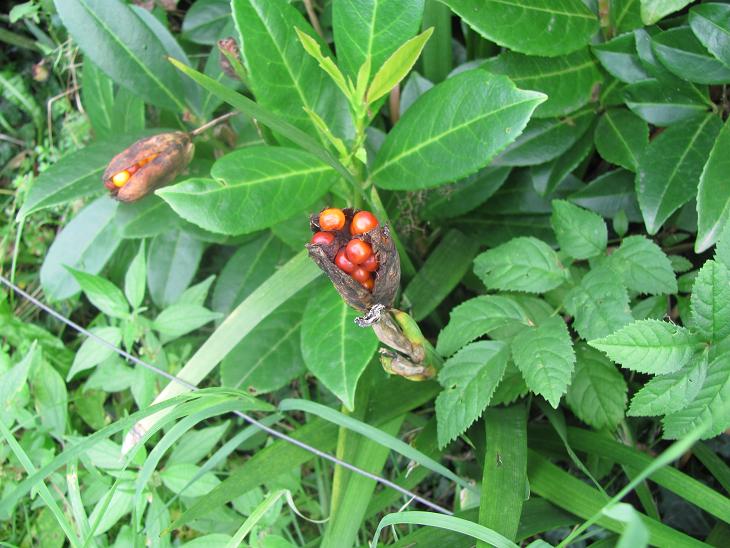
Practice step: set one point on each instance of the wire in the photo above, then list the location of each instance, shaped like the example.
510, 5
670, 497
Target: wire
271, 431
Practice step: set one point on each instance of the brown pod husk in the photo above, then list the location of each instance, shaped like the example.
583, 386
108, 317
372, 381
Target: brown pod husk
387, 277
172, 153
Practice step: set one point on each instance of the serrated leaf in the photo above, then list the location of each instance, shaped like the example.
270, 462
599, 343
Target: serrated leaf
618, 56
335, 350
650, 346
599, 304
653, 10
568, 80
710, 302
663, 104
535, 27
91, 353
522, 264
180, 319
581, 233
670, 393
103, 294
477, 317
711, 24
713, 194
597, 394
469, 379
621, 138
644, 267
684, 56
431, 145
544, 355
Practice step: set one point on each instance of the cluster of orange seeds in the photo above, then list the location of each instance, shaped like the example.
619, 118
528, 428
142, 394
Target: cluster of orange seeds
118, 180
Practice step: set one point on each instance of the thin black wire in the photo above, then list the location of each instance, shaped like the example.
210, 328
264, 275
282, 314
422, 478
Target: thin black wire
244, 416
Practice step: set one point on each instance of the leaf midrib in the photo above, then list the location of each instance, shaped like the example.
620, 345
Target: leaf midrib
591, 17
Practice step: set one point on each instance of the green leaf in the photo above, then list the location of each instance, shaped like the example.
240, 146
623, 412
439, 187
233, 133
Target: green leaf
581, 234
282, 75
597, 394
311, 46
663, 104
670, 393
145, 218
644, 267
469, 379
397, 66
180, 319
618, 56
636, 533
544, 355
711, 24
86, 243
684, 55
14, 379
547, 177
172, 261
710, 405
710, 302
609, 195
372, 29
118, 41
653, 10
450, 201
97, 95
568, 80
722, 250
478, 316
51, 399
270, 356
103, 294
205, 21
522, 264
534, 27
441, 273
335, 350
621, 138
431, 145
511, 388
713, 195
253, 188
649, 346
91, 353
196, 444
135, 280
670, 168
599, 304
177, 477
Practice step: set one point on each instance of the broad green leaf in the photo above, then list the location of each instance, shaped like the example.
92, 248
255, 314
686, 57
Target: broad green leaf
662, 104
14, 379
644, 267
625, 15
713, 195
284, 78
397, 66
432, 145
145, 218
469, 379
722, 250
205, 20
107, 513
128, 115
650, 346
548, 177
97, 95
621, 138
710, 302
196, 444
270, 356
511, 388
372, 29
177, 477
581, 234
252, 188
522, 264
544, 140
711, 24
599, 304
653, 10
478, 316
118, 41
86, 243
450, 201
544, 355
91, 353
568, 80
710, 404
441, 273
597, 394
103, 294
172, 260
335, 350
51, 399
670, 168
684, 55
619, 57
535, 27
670, 393
180, 319
248, 268
135, 280
197, 294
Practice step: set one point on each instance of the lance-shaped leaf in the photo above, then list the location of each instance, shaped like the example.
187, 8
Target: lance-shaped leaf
664, 104
713, 195
683, 55
618, 56
711, 24
621, 137
653, 10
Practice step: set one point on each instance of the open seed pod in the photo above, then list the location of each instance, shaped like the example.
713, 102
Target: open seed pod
386, 277
147, 165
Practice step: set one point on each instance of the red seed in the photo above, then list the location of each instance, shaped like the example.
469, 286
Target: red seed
358, 251
360, 275
363, 222
343, 263
371, 263
332, 219
368, 284
322, 238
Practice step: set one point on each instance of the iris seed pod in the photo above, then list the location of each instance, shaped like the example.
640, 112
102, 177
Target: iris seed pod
147, 165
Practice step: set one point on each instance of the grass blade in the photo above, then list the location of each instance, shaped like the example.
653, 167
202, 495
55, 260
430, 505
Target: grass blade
258, 513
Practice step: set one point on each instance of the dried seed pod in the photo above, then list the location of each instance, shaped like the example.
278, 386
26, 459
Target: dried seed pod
228, 46
148, 164
386, 277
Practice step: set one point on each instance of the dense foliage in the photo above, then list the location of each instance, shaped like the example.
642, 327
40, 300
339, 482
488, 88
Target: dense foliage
553, 177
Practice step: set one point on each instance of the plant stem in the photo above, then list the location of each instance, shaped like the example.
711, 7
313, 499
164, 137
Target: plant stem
213, 122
